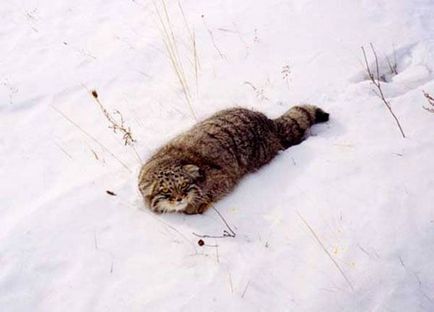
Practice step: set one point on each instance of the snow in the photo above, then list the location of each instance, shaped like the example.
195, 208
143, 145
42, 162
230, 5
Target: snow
342, 222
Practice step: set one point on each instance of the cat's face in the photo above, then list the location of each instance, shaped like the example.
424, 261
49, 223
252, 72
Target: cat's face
171, 189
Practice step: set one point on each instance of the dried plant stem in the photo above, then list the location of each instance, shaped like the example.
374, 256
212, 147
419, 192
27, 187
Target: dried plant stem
63, 150
182, 235
245, 289
194, 47
212, 39
430, 100
172, 49
376, 82
196, 62
393, 65
114, 124
226, 233
91, 137
326, 251
118, 125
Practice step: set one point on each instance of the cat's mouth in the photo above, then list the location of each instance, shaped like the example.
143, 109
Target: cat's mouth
172, 206
180, 204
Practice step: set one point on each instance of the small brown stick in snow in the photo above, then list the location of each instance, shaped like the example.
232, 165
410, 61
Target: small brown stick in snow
111, 193
430, 100
375, 79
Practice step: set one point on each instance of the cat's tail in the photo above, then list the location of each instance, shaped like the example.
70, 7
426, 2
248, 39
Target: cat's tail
291, 126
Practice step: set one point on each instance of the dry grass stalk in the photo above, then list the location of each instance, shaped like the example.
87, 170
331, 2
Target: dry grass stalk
117, 125
171, 227
196, 62
212, 39
260, 93
326, 251
393, 65
91, 137
245, 289
286, 71
430, 100
172, 50
63, 150
226, 233
192, 36
376, 81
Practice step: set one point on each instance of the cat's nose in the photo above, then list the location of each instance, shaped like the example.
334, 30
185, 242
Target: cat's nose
178, 199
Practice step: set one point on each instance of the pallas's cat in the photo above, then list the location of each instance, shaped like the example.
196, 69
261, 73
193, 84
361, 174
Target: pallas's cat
205, 163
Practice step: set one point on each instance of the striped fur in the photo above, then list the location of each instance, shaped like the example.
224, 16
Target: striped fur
216, 153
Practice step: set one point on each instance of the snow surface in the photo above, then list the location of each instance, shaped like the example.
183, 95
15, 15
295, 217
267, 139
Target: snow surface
342, 222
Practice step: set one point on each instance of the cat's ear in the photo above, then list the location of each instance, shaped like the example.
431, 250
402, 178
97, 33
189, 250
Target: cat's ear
192, 170
147, 188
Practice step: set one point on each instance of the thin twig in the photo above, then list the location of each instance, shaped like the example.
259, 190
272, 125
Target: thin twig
212, 38
114, 124
63, 150
117, 125
245, 289
326, 251
182, 235
376, 82
226, 233
94, 154
393, 66
430, 100
91, 137
259, 92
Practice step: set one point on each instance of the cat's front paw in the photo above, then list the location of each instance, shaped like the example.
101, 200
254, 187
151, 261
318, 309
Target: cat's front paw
191, 210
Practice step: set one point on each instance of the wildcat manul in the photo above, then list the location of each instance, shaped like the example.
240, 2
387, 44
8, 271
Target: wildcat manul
205, 163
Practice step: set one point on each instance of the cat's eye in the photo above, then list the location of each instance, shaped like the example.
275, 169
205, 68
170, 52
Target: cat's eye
165, 189
184, 184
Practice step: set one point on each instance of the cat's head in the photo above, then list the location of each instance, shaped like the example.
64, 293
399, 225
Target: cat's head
170, 188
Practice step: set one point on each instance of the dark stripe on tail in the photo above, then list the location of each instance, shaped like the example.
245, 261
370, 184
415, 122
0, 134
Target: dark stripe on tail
292, 125
306, 113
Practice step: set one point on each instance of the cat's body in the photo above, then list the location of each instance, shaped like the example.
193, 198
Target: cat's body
205, 163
